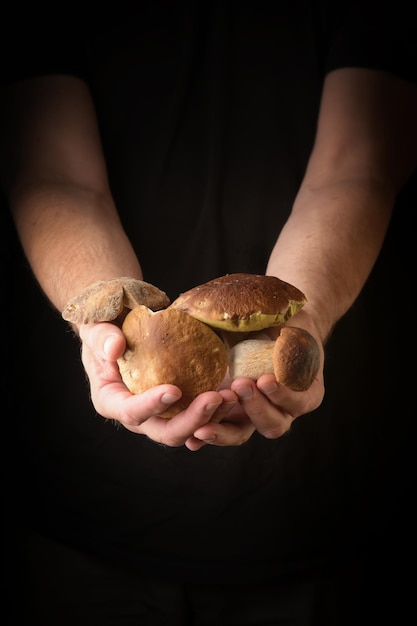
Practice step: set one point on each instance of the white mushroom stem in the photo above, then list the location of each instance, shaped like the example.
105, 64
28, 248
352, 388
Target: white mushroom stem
251, 358
293, 358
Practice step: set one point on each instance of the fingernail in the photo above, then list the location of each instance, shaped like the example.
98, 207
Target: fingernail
107, 345
169, 398
227, 407
269, 388
210, 408
244, 392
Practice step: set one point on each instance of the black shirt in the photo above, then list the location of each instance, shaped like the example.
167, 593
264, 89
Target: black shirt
208, 114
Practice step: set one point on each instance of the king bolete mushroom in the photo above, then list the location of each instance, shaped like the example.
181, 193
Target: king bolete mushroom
242, 302
170, 346
245, 303
164, 345
184, 343
293, 358
105, 300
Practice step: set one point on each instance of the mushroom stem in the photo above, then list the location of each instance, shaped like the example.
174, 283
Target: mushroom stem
251, 358
294, 358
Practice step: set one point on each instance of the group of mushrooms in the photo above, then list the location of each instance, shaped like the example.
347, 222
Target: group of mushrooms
204, 334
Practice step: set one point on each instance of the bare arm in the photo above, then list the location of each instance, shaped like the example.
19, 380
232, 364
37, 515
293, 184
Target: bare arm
57, 182
365, 149
56, 179
54, 175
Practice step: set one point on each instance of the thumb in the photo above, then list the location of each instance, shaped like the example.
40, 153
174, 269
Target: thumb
106, 340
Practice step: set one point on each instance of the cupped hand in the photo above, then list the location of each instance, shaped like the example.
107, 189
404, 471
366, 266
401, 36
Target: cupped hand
102, 345
264, 405
226, 417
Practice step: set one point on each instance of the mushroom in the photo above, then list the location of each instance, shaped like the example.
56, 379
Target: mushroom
241, 304
170, 346
293, 358
180, 343
105, 300
163, 345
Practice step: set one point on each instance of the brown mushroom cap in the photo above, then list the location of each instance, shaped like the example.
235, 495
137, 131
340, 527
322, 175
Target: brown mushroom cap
103, 301
242, 302
296, 358
170, 346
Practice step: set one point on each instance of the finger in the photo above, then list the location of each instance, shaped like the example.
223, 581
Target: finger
229, 403
177, 430
229, 432
280, 395
106, 340
115, 401
295, 402
269, 420
230, 400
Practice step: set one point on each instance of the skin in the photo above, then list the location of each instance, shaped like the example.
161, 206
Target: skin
54, 174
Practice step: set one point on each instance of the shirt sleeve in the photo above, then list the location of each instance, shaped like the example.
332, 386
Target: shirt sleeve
36, 42
375, 35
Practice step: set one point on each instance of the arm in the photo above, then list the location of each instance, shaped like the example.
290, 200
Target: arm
70, 248
54, 175
365, 149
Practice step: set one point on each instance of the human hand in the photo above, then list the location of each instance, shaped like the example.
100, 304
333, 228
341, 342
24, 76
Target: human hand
102, 345
265, 405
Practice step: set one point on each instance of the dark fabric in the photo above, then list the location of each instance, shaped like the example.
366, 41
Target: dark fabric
208, 116
61, 585
68, 587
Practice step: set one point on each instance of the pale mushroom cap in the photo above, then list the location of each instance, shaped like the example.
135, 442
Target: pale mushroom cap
104, 300
170, 346
242, 302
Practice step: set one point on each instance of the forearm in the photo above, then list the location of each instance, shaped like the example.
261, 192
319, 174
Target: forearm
365, 150
53, 173
72, 237
330, 244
